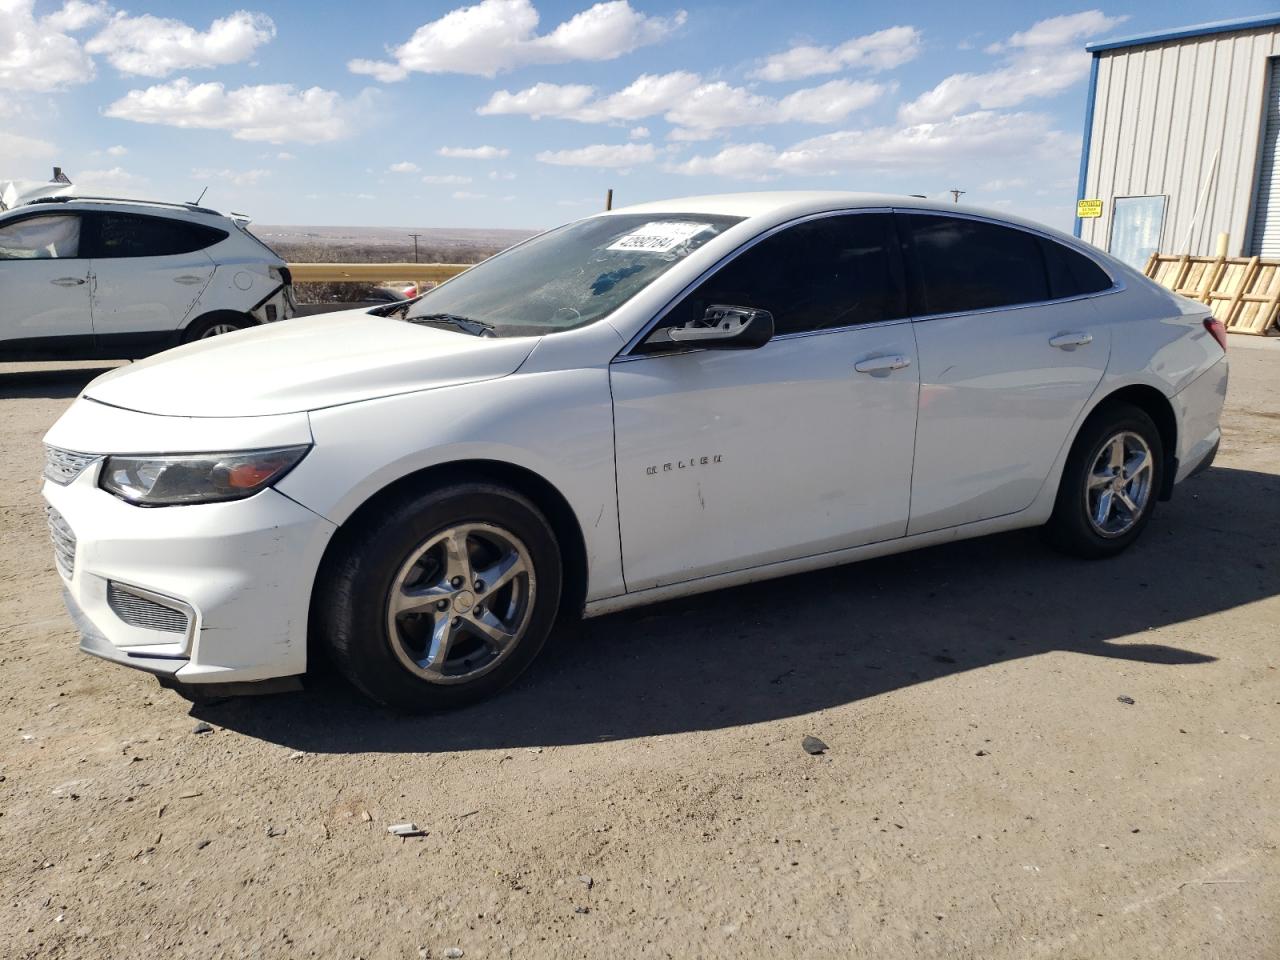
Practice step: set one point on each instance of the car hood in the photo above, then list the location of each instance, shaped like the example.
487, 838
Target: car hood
305, 364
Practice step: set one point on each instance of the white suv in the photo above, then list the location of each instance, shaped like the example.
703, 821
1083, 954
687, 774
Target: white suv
98, 277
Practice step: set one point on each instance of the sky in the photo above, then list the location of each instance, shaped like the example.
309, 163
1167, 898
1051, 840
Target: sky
522, 113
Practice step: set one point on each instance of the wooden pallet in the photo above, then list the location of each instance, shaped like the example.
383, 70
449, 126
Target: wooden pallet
1242, 292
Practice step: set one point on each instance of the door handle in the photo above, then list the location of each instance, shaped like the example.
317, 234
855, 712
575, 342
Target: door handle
68, 281
882, 364
188, 279
1069, 341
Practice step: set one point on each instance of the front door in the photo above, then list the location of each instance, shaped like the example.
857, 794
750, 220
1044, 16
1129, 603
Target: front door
44, 285
148, 274
733, 459
1011, 348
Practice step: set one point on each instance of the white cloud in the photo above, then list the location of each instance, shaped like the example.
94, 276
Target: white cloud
117, 151
474, 153
686, 100
501, 175
275, 112
1060, 31
445, 178
639, 133
404, 166
540, 100
1001, 185
497, 35
77, 14
467, 195
882, 50
241, 178
603, 155
19, 148
747, 161
39, 55
115, 180
285, 155
151, 46
1044, 60
971, 141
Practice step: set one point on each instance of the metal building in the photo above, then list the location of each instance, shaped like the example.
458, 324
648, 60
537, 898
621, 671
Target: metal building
1180, 142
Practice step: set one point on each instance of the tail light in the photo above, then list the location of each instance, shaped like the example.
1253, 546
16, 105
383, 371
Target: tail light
1218, 330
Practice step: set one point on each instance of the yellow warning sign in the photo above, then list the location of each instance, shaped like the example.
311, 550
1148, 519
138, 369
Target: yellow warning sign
1088, 209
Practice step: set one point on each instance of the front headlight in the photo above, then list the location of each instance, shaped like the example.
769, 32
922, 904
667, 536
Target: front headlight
163, 481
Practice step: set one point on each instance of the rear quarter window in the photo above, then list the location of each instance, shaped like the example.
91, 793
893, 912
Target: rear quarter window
133, 235
1072, 274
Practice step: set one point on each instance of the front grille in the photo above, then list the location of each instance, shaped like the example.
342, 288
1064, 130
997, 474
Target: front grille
140, 611
64, 543
63, 466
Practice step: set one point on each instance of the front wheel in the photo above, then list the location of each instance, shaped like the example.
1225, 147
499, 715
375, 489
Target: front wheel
1109, 485
443, 598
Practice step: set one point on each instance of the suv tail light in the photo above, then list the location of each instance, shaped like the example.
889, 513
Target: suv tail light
1218, 330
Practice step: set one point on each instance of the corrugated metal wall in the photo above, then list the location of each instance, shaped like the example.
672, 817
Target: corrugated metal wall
1161, 115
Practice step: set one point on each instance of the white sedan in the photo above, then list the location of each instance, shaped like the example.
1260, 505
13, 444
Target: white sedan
648, 403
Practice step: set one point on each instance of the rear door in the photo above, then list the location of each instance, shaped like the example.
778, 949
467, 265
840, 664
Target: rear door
1011, 348
148, 273
44, 284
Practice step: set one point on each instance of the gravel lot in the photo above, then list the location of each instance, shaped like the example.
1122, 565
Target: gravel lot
643, 791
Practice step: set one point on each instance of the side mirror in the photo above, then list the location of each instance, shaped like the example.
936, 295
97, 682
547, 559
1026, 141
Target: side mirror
725, 327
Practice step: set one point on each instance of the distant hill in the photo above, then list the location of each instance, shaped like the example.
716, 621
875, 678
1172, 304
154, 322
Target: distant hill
396, 237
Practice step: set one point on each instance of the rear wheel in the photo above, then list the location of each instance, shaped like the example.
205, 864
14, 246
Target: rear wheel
1109, 485
442, 599
217, 324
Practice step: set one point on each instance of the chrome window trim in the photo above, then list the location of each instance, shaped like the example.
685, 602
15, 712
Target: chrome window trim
1117, 283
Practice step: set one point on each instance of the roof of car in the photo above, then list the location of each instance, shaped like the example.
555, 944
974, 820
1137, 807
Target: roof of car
781, 205
137, 206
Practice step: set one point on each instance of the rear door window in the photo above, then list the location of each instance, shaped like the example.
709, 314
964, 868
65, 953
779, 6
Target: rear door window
962, 265
132, 235
55, 237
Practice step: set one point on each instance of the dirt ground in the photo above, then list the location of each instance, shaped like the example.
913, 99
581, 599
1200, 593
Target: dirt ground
642, 792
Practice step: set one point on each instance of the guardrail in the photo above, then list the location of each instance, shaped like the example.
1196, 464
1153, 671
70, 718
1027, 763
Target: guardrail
1242, 292
373, 272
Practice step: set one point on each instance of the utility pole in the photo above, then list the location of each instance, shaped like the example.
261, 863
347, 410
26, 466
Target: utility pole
415, 245
608, 199
956, 194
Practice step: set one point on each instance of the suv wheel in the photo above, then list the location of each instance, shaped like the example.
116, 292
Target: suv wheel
443, 599
1109, 485
215, 325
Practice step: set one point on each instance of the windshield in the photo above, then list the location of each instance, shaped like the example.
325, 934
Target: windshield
569, 277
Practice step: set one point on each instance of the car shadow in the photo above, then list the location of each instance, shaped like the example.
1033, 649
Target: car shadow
804, 643
53, 383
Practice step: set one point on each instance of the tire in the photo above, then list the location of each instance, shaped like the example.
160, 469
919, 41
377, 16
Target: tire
215, 324
390, 597
1075, 527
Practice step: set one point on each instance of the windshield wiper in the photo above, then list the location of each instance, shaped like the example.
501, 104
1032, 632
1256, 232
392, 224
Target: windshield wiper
477, 328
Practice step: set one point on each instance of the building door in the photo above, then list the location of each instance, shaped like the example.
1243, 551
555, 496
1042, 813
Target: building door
1136, 225
1266, 204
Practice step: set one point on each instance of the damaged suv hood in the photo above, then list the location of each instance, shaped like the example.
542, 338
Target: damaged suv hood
306, 364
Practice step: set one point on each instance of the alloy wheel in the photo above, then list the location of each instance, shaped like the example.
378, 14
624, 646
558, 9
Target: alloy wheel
1119, 484
217, 329
461, 602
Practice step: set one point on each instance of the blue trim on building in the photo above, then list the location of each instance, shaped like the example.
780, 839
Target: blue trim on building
1087, 141
1199, 30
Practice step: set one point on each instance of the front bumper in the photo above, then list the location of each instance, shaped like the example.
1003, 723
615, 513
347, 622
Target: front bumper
238, 574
